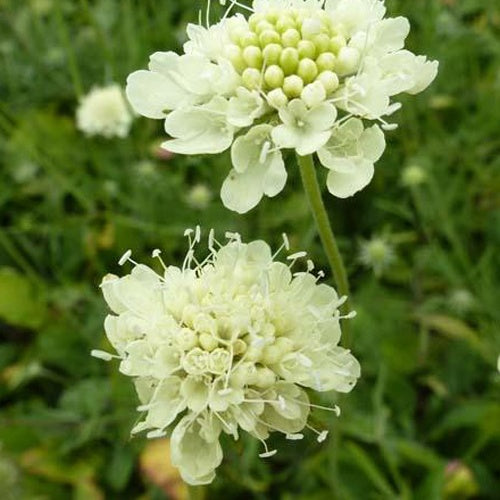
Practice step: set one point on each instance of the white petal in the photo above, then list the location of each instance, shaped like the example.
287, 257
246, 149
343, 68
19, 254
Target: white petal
194, 456
322, 117
242, 192
153, 94
372, 143
343, 184
247, 149
286, 136
426, 72
163, 62
275, 178
198, 130
312, 142
390, 35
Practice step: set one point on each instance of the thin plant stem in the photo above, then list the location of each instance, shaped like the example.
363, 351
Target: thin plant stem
196, 492
313, 192
70, 52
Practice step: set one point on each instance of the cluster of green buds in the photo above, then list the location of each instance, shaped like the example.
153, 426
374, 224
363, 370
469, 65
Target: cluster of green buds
297, 53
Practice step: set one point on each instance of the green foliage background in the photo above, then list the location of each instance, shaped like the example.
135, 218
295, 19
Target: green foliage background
424, 421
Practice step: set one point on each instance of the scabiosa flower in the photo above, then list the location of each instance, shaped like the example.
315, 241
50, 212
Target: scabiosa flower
223, 345
199, 196
303, 75
377, 254
104, 111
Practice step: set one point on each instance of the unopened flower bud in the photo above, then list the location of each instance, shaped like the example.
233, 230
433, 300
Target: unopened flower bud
293, 86
329, 80
239, 347
313, 94
235, 55
208, 342
307, 70
269, 36
251, 78
274, 76
253, 57
264, 377
271, 354
263, 26
255, 19
272, 53
186, 339
284, 344
326, 62
272, 15
290, 38
347, 61
336, 43
311, 27
254, 353
322, 42
306, 49
284, 23
289, 60
277, 98
248, 39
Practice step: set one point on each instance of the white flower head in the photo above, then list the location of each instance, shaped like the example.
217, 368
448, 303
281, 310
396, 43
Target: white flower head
199, 196
377, 254
301, 68
225, 344
104, 111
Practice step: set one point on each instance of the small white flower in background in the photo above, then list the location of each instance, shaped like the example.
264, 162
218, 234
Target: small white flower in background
199, 196
377, 254
104, 111
413, 175
300, 75
461, 301
224, 345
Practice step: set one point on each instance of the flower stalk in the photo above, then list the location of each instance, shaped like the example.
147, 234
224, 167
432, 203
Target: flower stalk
196, 492
313, 193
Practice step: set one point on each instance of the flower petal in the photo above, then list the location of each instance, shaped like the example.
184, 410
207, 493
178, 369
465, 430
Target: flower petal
154, 94
196, 458
343, 184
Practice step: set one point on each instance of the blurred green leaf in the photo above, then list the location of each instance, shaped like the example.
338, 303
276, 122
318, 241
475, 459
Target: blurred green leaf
21, 303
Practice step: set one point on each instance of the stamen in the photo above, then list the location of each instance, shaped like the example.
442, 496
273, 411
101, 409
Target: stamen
267, 453
157, 433
351, 315
322, 436
264, 152
294, 437
342, 300
105, 356
389, 126
282, 402
298, 255
211, 240
125, 257
286, 241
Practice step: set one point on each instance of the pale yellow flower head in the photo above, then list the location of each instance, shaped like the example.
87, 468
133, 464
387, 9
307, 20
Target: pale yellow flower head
224, 345
104, 111
300, 75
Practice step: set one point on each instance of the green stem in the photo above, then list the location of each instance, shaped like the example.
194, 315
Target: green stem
196, 492
313, 192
